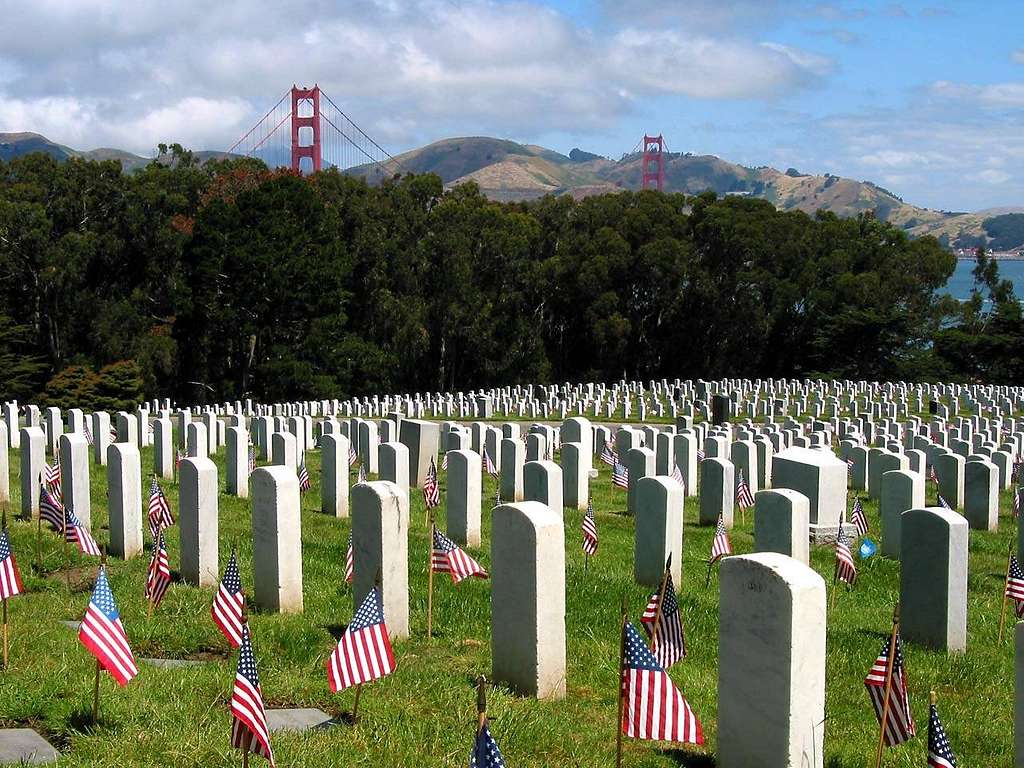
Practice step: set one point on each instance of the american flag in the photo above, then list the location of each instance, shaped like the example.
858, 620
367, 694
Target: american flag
444, 461
1016, 502
349, 560
361, 478
1015, 585
10, 577
620, 475
900, 725
304, 482
229, 602
669, 646
51, 473
179, 456
447, 557
700, 455
846, 571
676, 474
858, 518
849, 466
744, 498
655, 709
252, 458
364, 651
77, 534
932, 476
488, 463
88, 435
159, 514
431, 488
353, 457
943, 503
721, 546
103, 634
589, 527
485, 751
608, 456
940, 754
51, 510
249, 729
158, 577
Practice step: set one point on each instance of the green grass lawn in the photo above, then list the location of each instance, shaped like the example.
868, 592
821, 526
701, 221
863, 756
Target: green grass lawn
424, 714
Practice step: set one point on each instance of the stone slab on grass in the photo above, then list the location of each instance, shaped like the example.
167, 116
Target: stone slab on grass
23, 746
300, 719
173, 663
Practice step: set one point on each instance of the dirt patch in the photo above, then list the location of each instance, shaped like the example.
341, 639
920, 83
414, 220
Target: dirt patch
80, 579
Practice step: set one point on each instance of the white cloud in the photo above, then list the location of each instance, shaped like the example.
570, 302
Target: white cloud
1018, 56
994, 177
134, 74
994, 95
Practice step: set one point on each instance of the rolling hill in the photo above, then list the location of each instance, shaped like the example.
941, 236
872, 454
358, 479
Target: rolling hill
506, 170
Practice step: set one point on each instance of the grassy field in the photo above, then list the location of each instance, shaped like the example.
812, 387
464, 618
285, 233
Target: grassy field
424, 714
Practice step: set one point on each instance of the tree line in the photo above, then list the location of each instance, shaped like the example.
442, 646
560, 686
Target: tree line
229, 279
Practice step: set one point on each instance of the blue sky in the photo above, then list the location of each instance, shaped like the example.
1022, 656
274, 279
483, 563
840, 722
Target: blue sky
926, 99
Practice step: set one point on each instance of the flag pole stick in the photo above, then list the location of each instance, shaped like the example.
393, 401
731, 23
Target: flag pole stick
67, 558
430, 577
39, 544
246, 746
622, 697
890, 663
5, 634
707, 579
355, 704
1002, 610
586, 563
481, 703
658, 610
96, 695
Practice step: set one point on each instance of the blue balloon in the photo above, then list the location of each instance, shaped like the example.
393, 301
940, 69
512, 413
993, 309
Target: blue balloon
867, 549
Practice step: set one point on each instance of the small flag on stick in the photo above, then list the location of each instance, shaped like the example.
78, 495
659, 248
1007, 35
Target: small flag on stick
940, 753
364, 652
249, 729
102, 633
229, 603
654, 708
886, 684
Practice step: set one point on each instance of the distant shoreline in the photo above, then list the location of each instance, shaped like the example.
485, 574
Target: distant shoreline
1008, 257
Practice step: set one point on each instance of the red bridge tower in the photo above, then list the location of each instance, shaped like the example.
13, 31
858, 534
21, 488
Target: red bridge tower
653, 164
312, 151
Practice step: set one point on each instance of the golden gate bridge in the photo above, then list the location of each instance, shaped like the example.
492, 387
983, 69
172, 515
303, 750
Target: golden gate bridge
307, 132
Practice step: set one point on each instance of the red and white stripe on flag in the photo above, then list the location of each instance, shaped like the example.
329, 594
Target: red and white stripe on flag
655, 709
102, 633
364, 652
10, 577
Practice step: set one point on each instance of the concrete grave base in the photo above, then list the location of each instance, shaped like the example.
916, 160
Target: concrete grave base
826, 534
298, 719
23, 746
173, 663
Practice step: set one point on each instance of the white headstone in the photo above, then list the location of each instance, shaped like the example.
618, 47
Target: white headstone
276, 540
198, 521
528, 599
771, 663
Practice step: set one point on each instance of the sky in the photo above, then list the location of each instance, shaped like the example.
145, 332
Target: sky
923, 98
